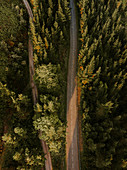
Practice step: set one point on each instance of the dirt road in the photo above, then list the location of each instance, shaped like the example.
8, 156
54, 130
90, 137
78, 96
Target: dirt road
48, 162
72, 113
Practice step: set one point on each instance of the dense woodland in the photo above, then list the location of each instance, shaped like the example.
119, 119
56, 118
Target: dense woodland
102, 79
19, 119
102, 72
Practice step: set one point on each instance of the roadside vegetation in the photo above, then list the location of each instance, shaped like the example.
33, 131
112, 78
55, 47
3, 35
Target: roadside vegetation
19, 120
102, 79
102, 66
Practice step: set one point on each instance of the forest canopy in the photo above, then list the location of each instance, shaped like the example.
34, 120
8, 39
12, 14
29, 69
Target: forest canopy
26, 124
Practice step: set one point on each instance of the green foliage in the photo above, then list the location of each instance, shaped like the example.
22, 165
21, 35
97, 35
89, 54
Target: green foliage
25, 154
102, 73
3, 61
47, 78
13, 68
19, 142
53, 132
50, 103
19, 120
47, 27
13, 44
5, 103
8, 21
21, 105
49, 32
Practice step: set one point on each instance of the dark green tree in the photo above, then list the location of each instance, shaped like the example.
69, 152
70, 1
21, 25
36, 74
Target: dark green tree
50, 42
102, 72
19, 119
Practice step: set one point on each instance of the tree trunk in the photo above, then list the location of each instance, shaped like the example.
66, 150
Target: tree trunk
48, 163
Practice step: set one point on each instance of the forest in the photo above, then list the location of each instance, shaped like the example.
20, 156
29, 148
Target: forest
34, 56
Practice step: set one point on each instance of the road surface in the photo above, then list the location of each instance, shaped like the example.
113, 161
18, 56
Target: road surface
48, 162
72, 161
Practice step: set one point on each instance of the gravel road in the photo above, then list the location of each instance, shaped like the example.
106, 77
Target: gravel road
72, 161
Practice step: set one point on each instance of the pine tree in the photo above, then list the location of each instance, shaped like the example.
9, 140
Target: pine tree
48, 33
18, 118
101, 69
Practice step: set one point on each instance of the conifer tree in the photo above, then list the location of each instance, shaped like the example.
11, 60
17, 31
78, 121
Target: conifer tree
50, 47
49, 34
102, 72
